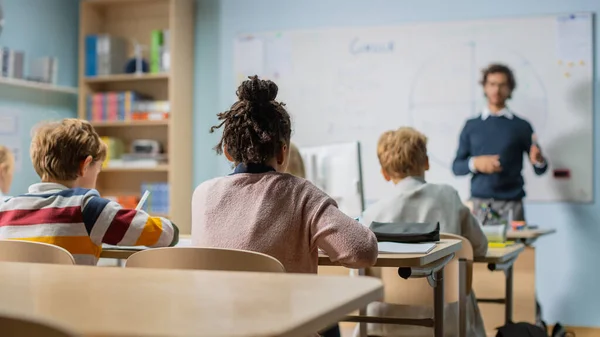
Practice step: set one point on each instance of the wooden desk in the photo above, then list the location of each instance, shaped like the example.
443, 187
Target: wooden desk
148, 302
442, 249
501, 259
528, 236
430, 265
492, 285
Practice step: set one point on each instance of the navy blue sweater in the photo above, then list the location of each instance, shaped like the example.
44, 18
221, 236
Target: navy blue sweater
508, 138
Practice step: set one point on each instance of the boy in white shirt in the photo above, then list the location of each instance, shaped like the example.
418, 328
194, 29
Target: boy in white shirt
403, 157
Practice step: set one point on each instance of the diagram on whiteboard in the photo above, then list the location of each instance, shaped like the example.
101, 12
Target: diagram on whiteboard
347, 85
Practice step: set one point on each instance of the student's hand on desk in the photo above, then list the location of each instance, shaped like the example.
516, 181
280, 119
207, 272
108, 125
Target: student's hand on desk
535, 155
487, 164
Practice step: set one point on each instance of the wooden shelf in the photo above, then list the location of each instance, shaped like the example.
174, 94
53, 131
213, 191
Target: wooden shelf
15, 82
111, 124
159, 168
126, 78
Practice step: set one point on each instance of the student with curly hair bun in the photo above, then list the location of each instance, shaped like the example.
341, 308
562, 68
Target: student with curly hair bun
261, 208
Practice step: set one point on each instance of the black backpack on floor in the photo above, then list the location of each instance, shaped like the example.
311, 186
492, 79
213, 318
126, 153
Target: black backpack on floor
529, 330
521, 330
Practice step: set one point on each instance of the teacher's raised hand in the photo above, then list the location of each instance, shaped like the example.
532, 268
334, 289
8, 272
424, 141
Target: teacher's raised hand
487, 164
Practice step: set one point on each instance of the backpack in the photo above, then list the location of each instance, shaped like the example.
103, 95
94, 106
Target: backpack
529, 330
520, 330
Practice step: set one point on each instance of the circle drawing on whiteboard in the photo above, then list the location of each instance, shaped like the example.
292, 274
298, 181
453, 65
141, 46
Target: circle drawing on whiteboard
446, 91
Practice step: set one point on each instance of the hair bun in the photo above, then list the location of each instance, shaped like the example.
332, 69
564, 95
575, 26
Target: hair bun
256, 90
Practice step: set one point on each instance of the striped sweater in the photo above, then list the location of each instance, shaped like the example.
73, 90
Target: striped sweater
80, 221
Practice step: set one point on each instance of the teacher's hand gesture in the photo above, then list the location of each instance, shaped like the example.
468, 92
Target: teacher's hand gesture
487, 164
535, 155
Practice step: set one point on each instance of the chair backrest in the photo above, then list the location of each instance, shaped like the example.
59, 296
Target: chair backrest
204, 259
418, 291
36, 252
17, 327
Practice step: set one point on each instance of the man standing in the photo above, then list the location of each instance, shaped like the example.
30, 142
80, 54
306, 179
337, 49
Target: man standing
491, 148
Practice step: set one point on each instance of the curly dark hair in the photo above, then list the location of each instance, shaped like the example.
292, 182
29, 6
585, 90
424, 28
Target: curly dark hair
256, 127
495, 68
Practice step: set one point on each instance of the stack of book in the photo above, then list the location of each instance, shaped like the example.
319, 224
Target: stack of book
111, 106
150, 110
105, 55
12, 63
158, 201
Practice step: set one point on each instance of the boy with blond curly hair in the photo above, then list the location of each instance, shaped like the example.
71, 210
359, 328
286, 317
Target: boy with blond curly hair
65, 209
403, 157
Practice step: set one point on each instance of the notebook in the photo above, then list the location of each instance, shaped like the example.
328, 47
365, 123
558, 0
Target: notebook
405, 248
183, 242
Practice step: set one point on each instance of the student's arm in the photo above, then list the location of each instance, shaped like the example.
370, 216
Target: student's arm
463, 163
471, 229
344, 239
107, 222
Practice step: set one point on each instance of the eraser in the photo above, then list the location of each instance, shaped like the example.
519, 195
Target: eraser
562, 173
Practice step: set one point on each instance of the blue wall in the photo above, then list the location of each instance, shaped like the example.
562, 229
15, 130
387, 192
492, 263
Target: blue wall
567, 270
40, 28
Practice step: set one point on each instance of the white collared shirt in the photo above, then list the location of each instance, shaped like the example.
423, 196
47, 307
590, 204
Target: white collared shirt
504, 112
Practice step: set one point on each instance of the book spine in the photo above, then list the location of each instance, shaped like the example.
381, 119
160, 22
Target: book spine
112, 106
155, 45
91, 55
19, 65
101, 54
5, 61
165, 57
127, 105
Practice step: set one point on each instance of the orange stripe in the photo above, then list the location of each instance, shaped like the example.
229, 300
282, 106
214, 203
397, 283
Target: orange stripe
151, 232
74, 244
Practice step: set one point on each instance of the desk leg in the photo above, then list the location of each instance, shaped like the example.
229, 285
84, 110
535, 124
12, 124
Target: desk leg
508, 303
362, 327
120, 263
462, 298
438, 304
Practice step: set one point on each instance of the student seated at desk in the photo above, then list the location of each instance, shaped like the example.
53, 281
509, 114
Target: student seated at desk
259, 207
65, 209
7, 167
403, 158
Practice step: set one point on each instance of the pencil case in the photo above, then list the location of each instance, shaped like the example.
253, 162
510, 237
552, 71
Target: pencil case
406, 232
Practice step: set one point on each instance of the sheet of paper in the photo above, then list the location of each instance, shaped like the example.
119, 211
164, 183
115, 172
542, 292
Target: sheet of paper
183, 242
405, 248
574, 38
249, 57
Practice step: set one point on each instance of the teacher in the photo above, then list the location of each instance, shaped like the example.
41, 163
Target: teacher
491, 148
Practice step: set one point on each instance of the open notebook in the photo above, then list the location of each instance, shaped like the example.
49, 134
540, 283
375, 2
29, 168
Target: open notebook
405, 248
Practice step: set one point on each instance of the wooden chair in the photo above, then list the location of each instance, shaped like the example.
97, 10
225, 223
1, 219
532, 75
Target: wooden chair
205, 259
412, 293
36, 252
18, 327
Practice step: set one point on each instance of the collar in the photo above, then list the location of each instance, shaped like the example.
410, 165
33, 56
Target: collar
502, 113
41, 188
252, 168
410, 183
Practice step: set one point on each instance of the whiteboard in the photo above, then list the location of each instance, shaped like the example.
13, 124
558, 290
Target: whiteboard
352, 84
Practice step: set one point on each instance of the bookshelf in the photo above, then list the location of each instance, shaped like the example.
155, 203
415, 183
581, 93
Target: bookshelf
136, 19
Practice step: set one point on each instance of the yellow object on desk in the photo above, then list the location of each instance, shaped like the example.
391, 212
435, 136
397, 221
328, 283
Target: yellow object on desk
500, 244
